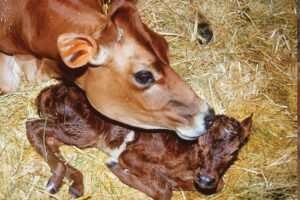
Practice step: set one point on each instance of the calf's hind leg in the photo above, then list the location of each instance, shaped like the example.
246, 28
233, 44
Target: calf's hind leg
43, 137
74, 175
37, 133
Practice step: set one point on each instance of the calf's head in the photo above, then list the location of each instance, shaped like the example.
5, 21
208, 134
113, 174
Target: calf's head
129, 78
218, 150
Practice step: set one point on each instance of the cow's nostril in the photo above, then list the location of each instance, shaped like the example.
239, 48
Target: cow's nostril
205, 180
209, 118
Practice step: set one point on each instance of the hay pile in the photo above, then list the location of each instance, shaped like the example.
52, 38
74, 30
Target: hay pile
249, 67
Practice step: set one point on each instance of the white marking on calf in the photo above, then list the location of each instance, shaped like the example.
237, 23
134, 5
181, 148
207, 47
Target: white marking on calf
115, 153
50, 187
126, 171
120, 34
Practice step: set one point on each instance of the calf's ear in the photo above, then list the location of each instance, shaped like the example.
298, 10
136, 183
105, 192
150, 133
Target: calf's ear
76, 50
246, 125
220, 185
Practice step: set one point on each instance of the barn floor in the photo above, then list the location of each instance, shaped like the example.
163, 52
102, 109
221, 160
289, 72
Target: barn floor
249, 67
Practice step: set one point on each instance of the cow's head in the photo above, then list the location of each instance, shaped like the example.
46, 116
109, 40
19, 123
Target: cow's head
218, 149
129, 78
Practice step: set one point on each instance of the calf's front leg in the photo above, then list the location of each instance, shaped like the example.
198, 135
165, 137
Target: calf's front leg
73, 175
37, 134
150, 184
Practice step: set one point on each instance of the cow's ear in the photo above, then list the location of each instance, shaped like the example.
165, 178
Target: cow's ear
125, 13
159, 45
76, 50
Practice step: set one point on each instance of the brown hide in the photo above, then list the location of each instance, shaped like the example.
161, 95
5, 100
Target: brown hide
121, 64
153, 162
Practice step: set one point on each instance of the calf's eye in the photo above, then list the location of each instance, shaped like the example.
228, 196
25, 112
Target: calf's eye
144, 77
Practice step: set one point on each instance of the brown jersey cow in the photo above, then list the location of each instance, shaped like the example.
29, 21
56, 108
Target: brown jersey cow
153, 162
121, 64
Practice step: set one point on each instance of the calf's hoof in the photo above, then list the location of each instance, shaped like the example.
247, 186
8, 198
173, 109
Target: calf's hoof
75, 192
51, 188
205, 32
111, 163
56, 179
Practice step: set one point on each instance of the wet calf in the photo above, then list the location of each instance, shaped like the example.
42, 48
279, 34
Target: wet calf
154, 163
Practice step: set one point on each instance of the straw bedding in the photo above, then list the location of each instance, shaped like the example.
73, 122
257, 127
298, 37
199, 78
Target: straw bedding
249, 67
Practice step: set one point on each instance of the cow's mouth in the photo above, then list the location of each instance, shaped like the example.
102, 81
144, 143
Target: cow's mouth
184, 137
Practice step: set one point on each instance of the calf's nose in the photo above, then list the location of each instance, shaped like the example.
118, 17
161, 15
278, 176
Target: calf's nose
205, 180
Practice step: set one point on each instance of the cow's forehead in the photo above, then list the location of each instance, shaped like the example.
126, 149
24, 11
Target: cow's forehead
131, 50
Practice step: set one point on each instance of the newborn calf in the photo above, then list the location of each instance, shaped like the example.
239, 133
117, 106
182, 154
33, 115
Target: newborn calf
154, 163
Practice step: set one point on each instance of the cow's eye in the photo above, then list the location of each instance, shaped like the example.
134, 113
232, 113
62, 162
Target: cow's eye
144, 77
